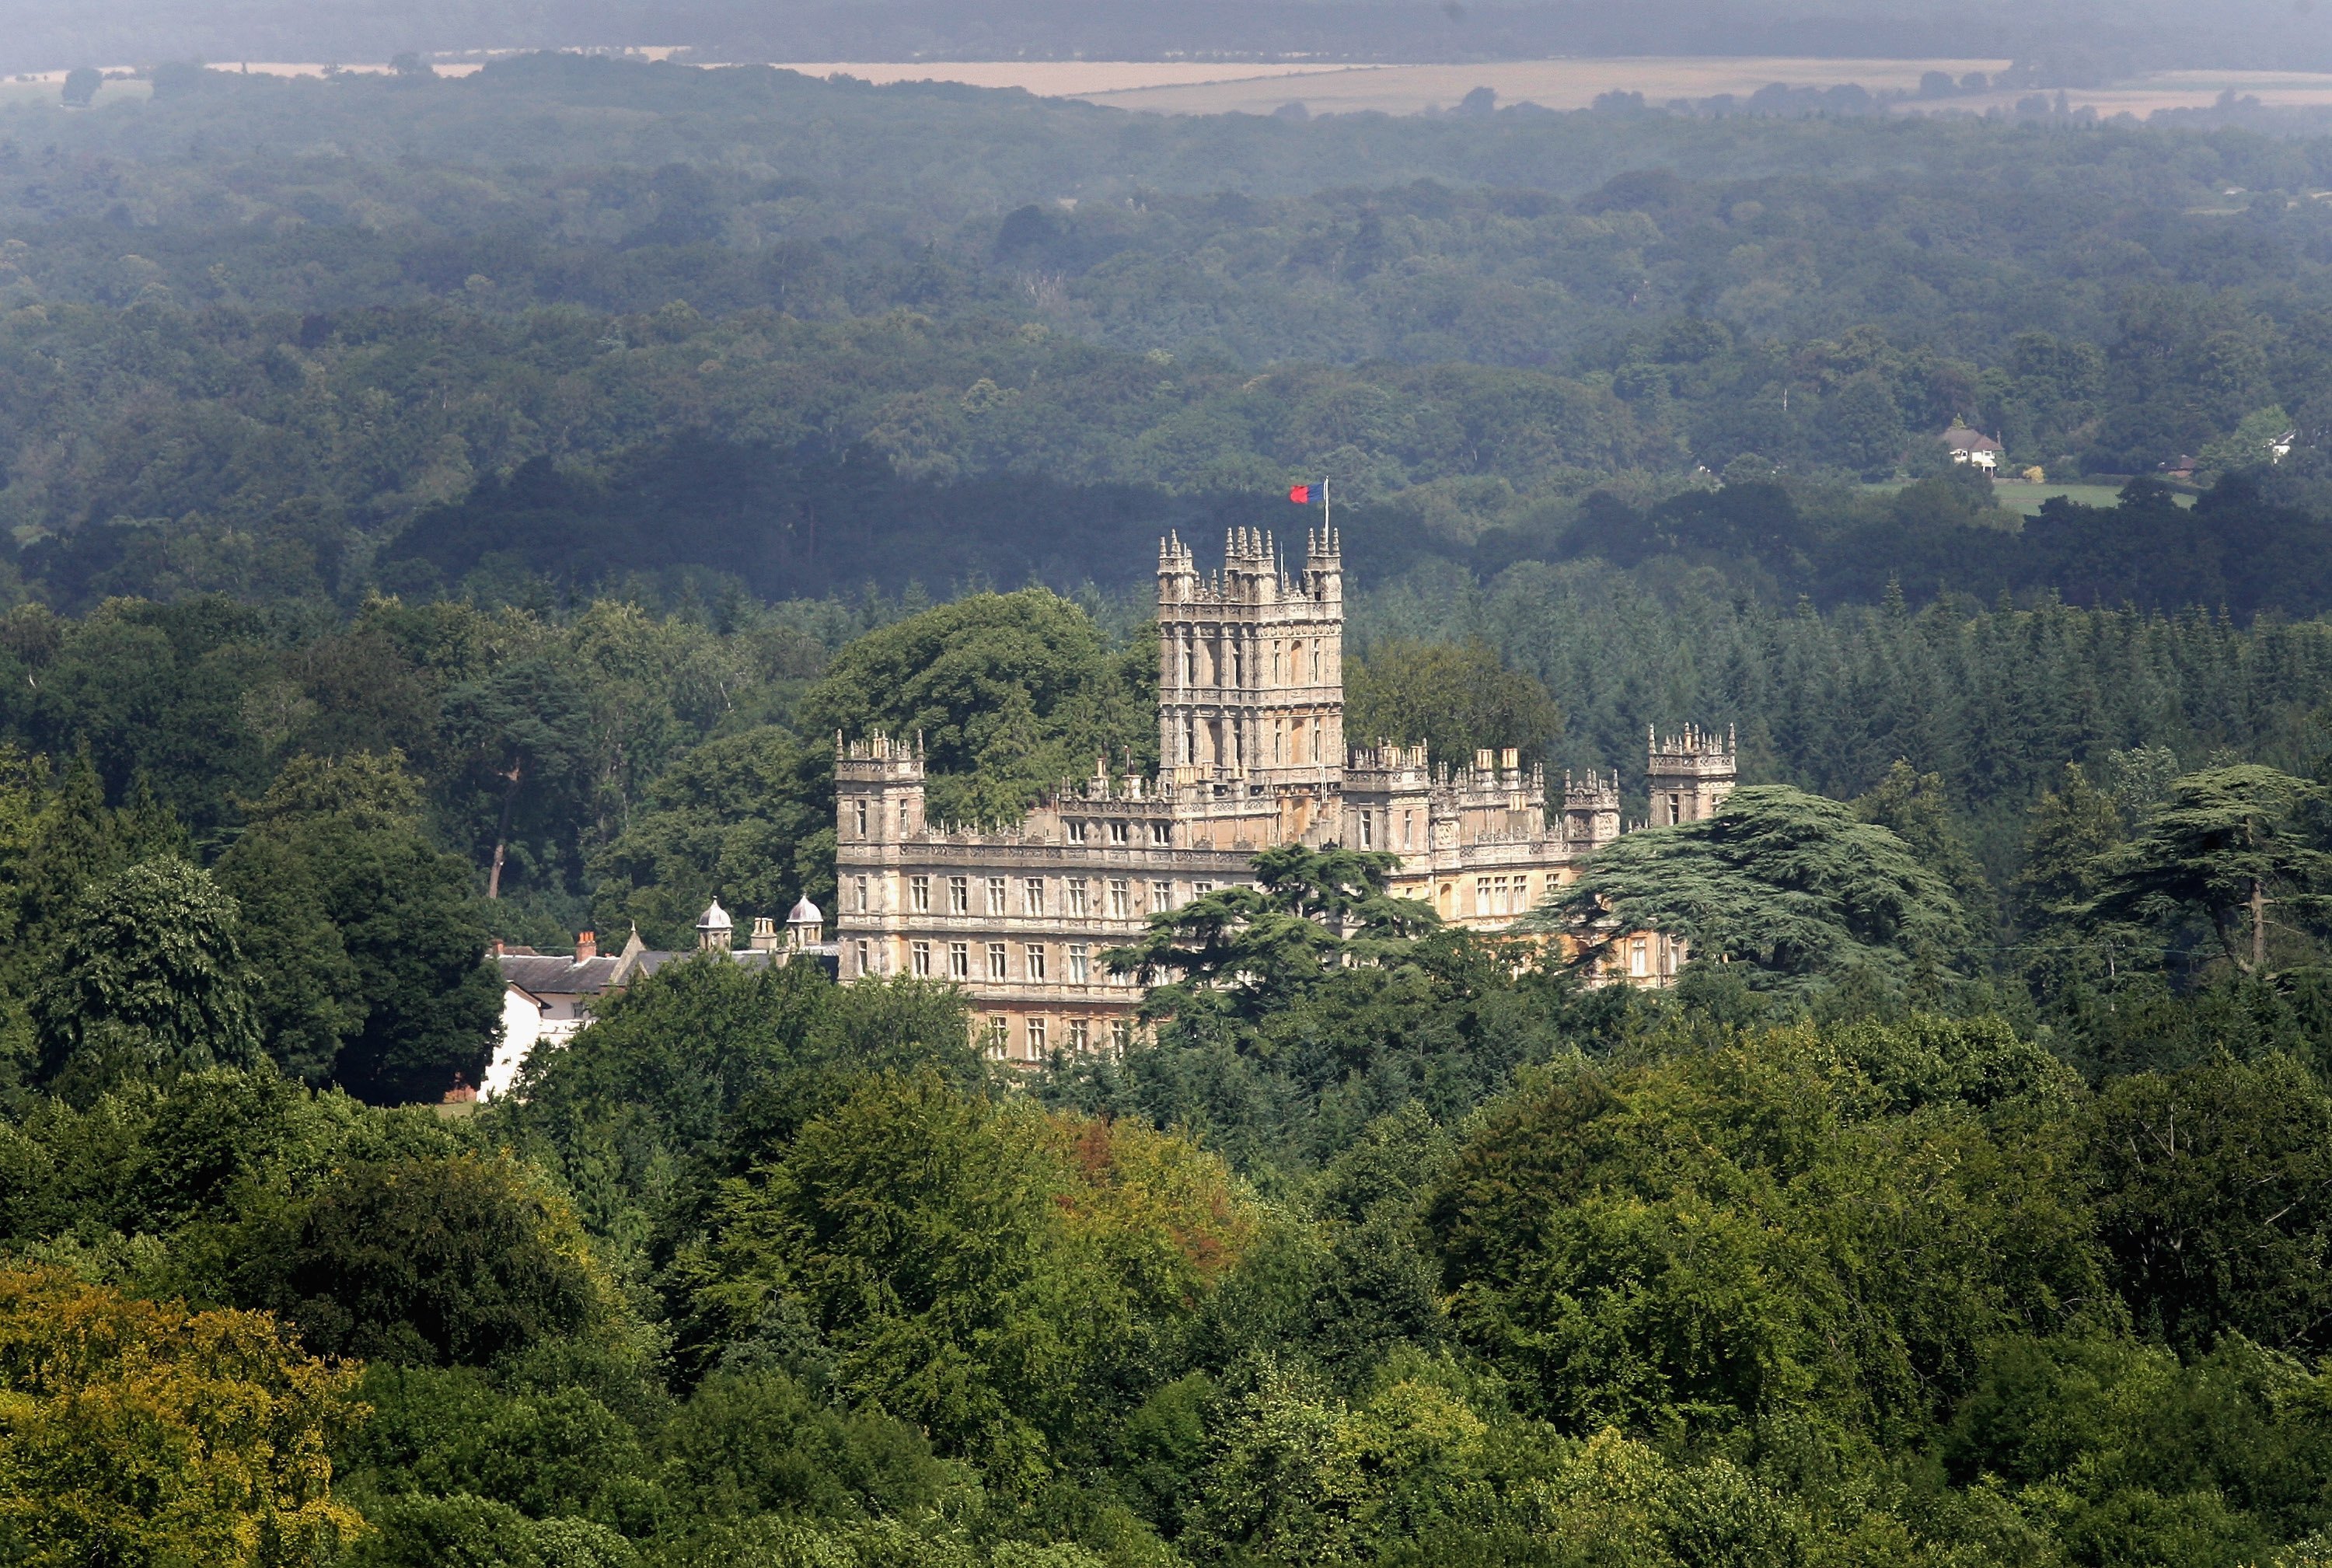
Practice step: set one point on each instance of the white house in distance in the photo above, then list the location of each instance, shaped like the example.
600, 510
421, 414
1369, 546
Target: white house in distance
1972, 446
546, 997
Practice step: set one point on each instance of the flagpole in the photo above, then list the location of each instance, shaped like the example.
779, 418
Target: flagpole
1327, 516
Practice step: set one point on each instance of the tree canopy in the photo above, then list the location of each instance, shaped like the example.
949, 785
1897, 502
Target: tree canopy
1789, 885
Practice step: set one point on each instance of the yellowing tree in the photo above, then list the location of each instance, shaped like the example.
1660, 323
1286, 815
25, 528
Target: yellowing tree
141, 1434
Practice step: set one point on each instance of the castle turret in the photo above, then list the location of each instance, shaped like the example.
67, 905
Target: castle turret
713, 929
878, 788
1590, 810
1689, 775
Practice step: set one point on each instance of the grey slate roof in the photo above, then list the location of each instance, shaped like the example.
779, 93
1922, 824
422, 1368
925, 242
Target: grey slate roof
548, 974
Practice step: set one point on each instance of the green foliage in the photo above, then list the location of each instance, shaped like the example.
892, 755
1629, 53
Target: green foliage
2209, 1197
420, 1261
748, 818
702, 1052
1766, 1268
1457, 700
1793, 1250
150, 982
757, 1442
1915, 807
364, 941
1787, 884
2230, 846
135, 1431
1008, 693
1253, 950
979, 1269
467, 1531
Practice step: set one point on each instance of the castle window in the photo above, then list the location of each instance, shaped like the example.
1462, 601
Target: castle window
996, 1025
1080, 964
1120, 897
1368, 829
859, 892
1190, 664
996, 962
1036, 1039
860, 818
1408, 821
1034, 969
959, 895
865, 965
1080, 1034
1076, 831
918, 957
1297, 754
1121, 1034
959, 961
1200, 889
919, 895
1481, 896
1637, 965
996, 895
1190, 740
1077, 896
1032, 895
1117, 832
1316, 661
902, 820
1161, 897
1161, 833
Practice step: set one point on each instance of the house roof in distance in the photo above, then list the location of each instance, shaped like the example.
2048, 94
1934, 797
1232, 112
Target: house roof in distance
553, 974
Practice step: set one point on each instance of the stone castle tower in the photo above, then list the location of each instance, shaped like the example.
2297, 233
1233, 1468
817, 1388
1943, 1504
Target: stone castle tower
1251, 660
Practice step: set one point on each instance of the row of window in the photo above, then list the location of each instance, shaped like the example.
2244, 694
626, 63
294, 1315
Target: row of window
1119, 897
1407, 829
1227, 741
1037, 1039
953, 961
864, 814
1079, 831
1505, 894
1288, 660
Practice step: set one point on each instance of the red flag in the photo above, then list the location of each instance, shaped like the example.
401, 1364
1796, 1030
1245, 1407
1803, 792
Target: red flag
1301, 494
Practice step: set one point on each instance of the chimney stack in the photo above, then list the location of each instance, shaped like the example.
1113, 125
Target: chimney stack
587, 947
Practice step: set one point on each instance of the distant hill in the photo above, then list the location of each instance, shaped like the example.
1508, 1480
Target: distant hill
2077, 40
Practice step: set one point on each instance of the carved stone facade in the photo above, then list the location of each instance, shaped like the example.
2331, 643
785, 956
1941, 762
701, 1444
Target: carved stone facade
1251, 729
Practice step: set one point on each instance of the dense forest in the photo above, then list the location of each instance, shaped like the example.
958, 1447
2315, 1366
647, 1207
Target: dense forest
305, 339
449, 511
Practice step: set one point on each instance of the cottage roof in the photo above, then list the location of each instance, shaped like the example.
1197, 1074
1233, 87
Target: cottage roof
1964, 438
549, 974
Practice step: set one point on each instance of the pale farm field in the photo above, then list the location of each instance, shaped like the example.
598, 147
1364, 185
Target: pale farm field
1258, 87
1550, 83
